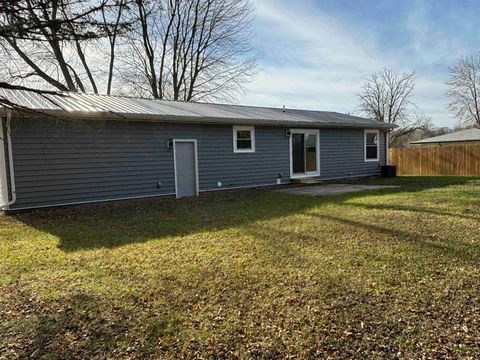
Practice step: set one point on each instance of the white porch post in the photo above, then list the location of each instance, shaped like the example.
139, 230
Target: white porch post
387, 149
3, 167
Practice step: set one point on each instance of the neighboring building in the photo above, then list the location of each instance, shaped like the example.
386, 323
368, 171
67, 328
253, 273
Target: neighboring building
78, 148
462, 137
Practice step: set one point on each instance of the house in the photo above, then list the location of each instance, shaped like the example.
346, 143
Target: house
70, 148
462, 137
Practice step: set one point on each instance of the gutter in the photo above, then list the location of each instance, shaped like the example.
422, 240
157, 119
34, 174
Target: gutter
5, 206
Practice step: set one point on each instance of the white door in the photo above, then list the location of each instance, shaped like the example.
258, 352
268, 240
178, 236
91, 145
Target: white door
304, 153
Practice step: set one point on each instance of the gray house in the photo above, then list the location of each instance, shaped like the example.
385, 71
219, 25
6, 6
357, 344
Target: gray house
68, 148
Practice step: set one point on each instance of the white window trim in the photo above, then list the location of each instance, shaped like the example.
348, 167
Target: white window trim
252, 137
365, 145
311, 173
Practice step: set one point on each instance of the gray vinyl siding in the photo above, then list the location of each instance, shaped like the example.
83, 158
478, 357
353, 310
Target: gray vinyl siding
342, 154
59, 162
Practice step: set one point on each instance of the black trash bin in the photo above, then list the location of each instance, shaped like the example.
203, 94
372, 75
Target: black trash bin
388, 171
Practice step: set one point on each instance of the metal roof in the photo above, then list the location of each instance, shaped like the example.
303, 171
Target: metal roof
458, 136
103, 106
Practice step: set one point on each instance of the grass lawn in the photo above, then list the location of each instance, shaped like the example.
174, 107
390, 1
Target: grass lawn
392, 273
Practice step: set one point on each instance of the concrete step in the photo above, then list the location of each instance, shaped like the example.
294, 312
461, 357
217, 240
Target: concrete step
306, 181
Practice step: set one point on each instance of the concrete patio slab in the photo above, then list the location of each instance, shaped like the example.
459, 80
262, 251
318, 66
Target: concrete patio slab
333, 189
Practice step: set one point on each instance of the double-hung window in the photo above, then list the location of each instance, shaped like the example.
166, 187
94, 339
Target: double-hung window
243, 139
371, 145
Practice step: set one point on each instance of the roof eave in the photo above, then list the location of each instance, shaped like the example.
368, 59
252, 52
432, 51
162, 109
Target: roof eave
87, 115
442, 141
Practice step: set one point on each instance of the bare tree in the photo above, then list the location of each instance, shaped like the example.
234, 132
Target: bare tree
46, 40
464, 89
114, 28
387, 96
174, 49
190, 50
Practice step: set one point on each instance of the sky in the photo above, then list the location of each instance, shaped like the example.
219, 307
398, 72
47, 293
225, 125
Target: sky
316, 54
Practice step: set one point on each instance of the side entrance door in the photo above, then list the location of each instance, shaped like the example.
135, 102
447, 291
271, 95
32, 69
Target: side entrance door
186, 167
304, 153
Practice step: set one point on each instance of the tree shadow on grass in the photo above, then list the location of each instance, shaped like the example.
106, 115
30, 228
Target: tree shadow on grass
416, 182
86, 326
56, 331
117, 224
414, 209
466, 252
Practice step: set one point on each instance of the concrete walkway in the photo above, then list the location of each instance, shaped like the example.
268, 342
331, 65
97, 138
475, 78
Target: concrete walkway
333, 189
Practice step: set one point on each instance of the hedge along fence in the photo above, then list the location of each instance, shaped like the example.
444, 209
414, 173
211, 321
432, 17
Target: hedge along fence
438, 160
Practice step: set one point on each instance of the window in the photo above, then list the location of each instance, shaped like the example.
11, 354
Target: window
371, 145
243, 139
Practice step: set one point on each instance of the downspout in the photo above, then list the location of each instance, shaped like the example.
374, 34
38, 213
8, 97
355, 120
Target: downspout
6, 205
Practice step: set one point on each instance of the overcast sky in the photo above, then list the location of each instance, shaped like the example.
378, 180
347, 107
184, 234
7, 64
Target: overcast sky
315, 54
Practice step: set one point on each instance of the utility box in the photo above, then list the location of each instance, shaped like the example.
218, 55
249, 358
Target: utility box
388, 171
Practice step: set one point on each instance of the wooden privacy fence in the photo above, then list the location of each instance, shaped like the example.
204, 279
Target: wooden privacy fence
438, 160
